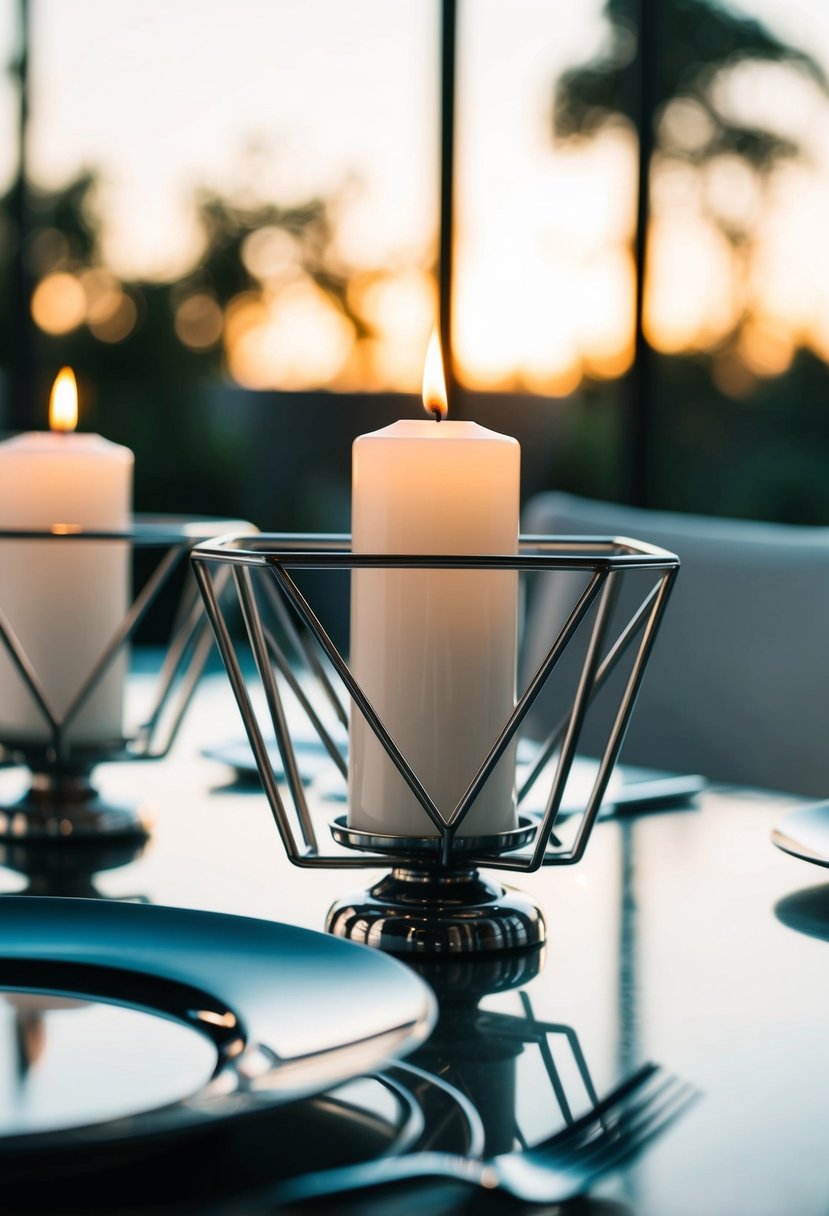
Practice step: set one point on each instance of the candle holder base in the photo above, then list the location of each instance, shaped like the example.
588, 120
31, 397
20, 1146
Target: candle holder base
419, 911
68, 807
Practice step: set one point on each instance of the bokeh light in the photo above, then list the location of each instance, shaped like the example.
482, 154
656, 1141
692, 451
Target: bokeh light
117, 322
199, 321
690, 302
59, 303
293, 339
334, 200
270, 253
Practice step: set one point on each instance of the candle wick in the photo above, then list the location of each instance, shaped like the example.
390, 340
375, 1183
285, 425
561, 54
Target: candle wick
438, 415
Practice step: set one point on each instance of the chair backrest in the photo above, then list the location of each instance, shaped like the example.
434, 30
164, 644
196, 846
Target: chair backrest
738, 683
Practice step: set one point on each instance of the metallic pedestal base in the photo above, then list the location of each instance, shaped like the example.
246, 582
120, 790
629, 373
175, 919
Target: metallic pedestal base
414, 911
69, 808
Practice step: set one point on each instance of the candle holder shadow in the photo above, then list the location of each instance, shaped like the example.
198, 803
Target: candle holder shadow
288, 676
61, 803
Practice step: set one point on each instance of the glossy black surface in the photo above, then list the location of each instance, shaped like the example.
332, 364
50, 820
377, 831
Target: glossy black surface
684, 936
355, 1122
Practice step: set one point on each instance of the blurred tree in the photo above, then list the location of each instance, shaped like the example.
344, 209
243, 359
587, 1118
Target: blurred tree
700, 40
757, 449
143, 368
310, 225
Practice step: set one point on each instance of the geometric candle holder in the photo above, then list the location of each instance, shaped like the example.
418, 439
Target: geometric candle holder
61, 803
290, 679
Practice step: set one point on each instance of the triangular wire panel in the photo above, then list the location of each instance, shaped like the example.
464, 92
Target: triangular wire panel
302, 644
135, 614
637, 590
534, 687
137, 609
578, 711
29, 678
364, 706
549, 746
604, 660
510, 726
628, 698
228, 649
155, 738
273, 696
188, 649
636, 636
295, 655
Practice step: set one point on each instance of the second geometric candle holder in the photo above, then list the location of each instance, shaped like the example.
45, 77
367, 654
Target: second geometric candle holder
61, 744
290, 679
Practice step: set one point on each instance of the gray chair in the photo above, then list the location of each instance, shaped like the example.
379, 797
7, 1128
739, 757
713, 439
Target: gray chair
738, 683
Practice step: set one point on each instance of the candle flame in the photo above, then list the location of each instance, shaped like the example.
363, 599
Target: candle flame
434, 381
63, 403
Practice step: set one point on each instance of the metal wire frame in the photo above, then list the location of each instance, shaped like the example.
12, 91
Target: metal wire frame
186, 653
604, 560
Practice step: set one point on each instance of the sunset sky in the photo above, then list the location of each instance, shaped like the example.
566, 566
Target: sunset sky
279, 99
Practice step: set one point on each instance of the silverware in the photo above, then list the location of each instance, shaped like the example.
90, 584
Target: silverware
615, 1130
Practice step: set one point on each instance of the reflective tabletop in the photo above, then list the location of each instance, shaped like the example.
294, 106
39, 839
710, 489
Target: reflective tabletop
683, 937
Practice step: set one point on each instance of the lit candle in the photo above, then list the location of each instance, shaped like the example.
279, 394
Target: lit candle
434, 650
63, 599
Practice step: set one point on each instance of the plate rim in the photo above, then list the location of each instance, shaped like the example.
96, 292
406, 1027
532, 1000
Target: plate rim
783, 839
248, 1079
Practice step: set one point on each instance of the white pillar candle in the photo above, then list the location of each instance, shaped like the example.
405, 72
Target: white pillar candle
63, 599
434, 650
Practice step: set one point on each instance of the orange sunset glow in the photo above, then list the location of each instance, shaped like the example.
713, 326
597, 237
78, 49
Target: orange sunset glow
545, 280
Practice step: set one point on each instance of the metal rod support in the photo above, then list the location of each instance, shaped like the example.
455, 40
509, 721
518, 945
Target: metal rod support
366, 708
253, 624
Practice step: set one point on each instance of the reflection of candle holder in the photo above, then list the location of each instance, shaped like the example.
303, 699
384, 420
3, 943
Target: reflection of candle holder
53, 869
434, 901
61, 802
473, 1057
477, 1050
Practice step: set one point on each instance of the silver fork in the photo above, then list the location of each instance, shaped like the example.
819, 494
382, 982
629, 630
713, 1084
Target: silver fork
615, 1130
